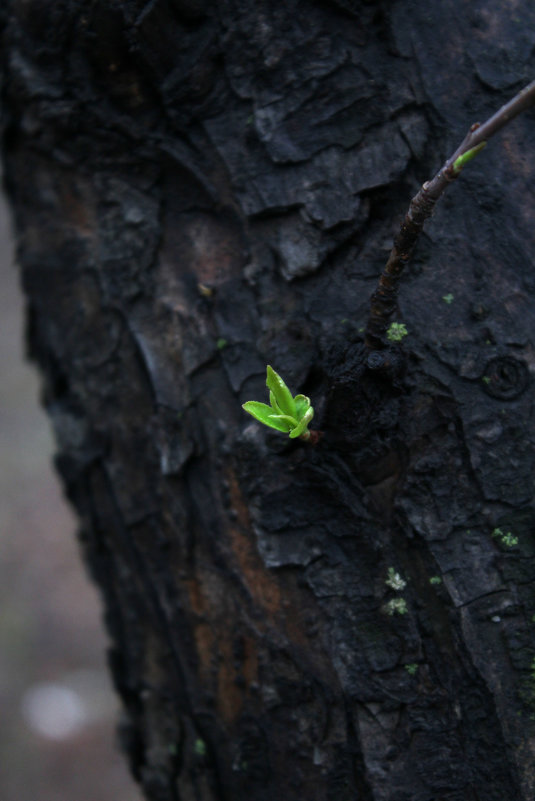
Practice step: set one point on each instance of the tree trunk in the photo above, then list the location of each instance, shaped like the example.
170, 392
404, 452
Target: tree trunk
201, 189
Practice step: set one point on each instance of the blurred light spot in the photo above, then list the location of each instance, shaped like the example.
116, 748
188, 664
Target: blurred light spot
54, 711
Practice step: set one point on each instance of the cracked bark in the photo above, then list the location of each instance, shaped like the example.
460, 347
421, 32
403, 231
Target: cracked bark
201, 189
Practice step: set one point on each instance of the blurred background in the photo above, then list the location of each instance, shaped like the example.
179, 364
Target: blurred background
58, 711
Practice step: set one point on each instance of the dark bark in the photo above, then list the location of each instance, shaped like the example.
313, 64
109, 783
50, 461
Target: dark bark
201, 189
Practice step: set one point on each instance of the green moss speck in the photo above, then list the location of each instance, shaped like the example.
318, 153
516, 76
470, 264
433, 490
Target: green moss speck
394, 580
200, 747
507, 539
396, 332
396, 606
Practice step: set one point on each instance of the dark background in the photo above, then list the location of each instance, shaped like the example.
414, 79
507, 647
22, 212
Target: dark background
58, 712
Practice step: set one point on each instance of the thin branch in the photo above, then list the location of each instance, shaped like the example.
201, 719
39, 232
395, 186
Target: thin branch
383, 300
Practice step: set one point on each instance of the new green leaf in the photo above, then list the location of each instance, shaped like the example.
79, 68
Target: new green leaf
302, 405
285, 413
300, 429
283, 396
264, 414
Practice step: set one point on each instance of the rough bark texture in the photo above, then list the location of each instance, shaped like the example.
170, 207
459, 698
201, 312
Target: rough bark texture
201, 189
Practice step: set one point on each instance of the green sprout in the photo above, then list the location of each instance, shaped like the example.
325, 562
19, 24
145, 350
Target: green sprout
435, 580
411, 668
448, 298
288, 414
396, 332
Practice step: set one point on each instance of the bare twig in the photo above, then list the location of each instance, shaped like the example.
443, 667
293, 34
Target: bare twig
383, 300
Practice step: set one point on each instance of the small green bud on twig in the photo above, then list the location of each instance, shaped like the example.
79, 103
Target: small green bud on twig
383, 300
464, 158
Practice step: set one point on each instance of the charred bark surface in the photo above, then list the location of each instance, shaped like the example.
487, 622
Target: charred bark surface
200, 189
